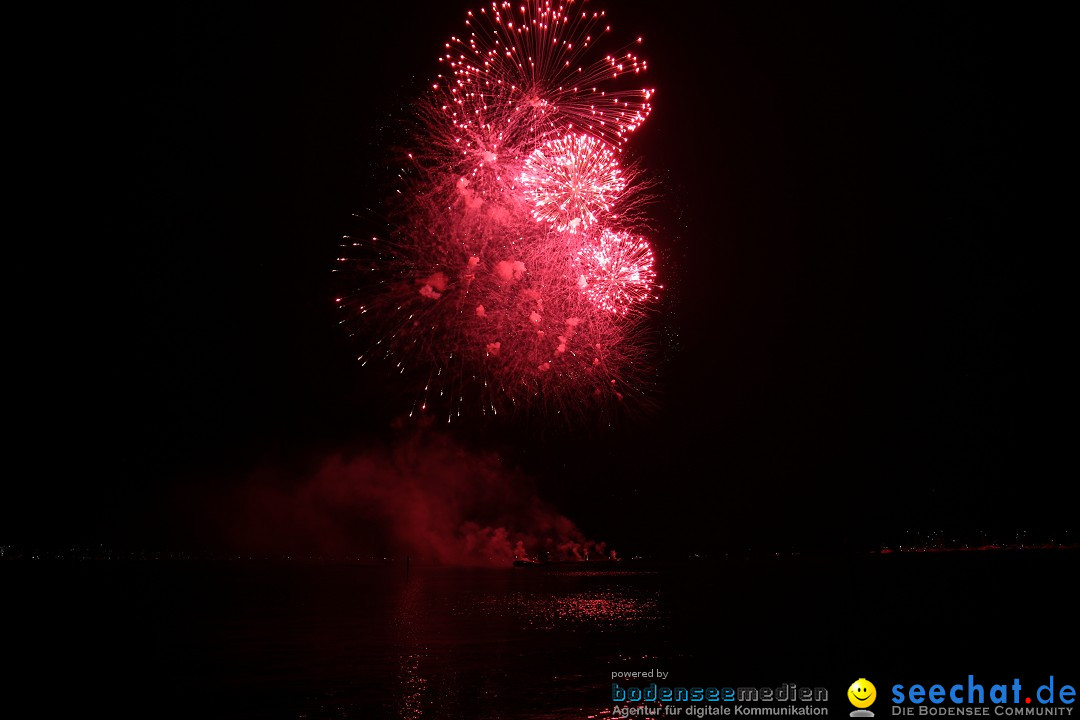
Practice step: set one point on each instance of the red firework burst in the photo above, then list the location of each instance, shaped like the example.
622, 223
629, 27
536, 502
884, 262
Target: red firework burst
616, 271
571, 180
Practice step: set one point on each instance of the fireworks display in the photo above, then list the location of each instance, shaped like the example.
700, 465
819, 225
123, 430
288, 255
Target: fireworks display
510, 276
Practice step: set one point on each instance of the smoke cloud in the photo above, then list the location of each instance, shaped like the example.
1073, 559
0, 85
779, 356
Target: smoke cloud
426, 497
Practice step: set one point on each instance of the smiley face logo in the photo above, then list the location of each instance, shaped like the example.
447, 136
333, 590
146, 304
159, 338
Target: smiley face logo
862, 693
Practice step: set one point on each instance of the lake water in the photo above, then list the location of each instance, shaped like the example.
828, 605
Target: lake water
322, 640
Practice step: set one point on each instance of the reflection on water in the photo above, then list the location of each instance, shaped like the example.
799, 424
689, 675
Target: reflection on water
410, 696
482, 643
411, 684
266, 640
596, 610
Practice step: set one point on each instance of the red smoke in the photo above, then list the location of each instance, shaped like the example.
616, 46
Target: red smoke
427, 498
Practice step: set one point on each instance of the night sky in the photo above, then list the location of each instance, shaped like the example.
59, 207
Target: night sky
864, 325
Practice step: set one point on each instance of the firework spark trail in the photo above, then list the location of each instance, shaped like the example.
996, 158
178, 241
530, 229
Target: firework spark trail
531, 66
511, 278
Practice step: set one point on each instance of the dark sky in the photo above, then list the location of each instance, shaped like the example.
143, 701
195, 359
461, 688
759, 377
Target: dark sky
869, 319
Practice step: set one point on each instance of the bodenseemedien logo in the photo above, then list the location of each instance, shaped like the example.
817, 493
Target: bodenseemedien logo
862, 694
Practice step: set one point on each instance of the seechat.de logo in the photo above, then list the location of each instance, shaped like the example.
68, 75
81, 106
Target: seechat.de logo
862, 694
977, 698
